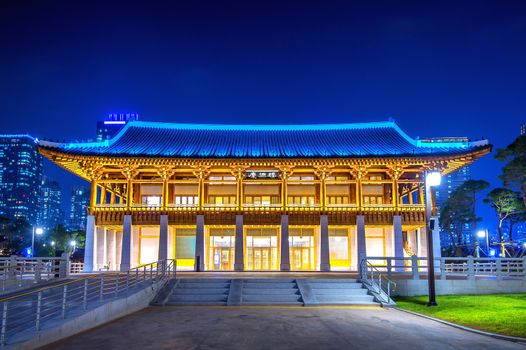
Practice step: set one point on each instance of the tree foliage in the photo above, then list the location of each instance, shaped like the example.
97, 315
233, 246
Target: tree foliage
514, 172
508, 205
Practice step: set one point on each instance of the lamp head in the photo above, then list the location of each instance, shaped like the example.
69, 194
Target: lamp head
481, 234
39, 230
433, 178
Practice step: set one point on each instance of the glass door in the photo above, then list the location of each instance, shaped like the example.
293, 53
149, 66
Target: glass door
302, 248
221, 249
261, 249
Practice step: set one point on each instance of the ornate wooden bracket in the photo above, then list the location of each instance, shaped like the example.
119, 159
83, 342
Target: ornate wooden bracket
359, 171
285, 171
323, 171
201, 171
395, 171
238, 171
165, 172
129, 171
93, 171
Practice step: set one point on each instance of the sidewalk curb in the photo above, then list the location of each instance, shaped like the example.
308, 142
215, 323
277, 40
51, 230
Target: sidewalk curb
520, 340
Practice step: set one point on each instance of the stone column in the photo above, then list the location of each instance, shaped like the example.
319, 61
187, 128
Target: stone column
118, 249
325, 263
285, 252
110, 249
135, 249
163, 238
101, 247
200, 243
360, 239
126, 243
89, 244
437, 253
239, 262
398, 241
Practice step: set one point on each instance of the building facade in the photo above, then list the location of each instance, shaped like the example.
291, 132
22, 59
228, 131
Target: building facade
78, 212
50, 209
113, 123
449, 184
245, 197
20, 177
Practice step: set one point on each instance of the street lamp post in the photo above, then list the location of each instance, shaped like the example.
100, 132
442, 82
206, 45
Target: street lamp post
432, 178
38, 231
482, 234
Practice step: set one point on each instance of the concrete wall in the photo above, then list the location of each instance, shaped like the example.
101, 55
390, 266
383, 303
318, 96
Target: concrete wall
411, 287
92, 318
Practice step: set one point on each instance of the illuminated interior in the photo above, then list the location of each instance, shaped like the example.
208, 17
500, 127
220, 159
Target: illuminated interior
220, 248
302, 245
262, 246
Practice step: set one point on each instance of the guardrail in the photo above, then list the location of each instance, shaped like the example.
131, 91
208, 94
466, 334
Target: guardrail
469, 267
16, 272
34, 310
376, 280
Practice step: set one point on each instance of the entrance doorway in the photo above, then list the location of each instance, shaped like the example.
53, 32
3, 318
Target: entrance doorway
221, 249
302, 248
261, 249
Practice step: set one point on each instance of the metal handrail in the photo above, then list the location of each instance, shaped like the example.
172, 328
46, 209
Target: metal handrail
374, 277
32, 310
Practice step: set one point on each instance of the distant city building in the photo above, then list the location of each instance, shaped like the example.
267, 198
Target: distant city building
113, 123
78, 212
50, 213
523, 129
449, 184
20, 177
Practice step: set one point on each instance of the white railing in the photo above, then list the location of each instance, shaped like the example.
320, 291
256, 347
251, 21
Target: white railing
76, 267
17, 272
33, 311
469, 267
377, 282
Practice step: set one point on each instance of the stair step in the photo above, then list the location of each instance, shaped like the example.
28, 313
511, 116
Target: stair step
332, 280
277, 291
198, 297
344, 298
205, 280
339, 291
269, 280
202, 285
299, 303
200, 291
289, 285
196, 303
272, 298
336, 285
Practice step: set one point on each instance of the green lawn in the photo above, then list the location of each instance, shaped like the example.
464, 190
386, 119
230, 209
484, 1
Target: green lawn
495, 313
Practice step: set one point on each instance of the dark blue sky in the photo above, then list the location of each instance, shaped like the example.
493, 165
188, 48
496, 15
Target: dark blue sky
447, 68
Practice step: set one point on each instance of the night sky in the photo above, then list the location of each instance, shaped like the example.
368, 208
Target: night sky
451, 68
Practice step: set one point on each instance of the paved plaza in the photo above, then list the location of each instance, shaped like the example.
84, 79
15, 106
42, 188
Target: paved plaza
278, 328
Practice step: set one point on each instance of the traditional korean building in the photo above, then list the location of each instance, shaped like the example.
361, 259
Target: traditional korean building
257, 197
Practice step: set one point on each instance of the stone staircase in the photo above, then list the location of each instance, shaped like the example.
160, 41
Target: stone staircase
338, 292
199, 291
265, 291
270, 291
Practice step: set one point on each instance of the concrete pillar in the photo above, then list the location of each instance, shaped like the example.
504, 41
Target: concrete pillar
110, 248
200, 243
353, 252
89, 244
118, 249
239, 262
135, 249
398, 240
101, 247
436, 244
285, 251
360, 239
325, 263
163, 238
126, 243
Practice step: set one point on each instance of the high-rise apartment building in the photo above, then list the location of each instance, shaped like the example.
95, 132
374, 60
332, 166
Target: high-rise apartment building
20, 177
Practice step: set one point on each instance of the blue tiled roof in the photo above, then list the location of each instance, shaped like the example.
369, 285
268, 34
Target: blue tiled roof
262, 141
